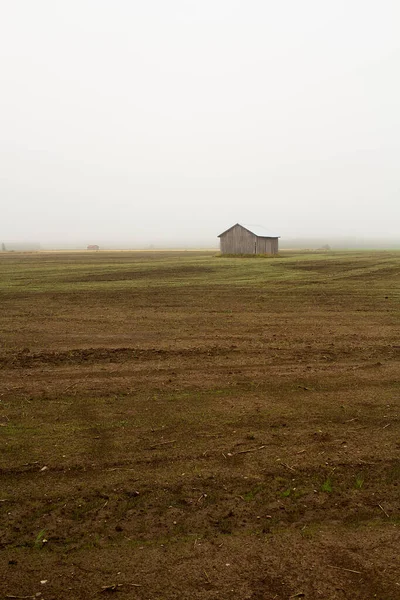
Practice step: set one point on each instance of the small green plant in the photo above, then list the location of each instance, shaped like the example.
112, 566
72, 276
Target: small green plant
327, 486
359, 482
40, 540
286, 493
252, 493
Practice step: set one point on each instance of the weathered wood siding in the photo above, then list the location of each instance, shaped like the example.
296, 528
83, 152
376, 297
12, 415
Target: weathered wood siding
267, 245
239, 240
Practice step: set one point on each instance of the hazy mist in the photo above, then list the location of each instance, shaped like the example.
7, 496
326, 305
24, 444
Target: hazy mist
135, 123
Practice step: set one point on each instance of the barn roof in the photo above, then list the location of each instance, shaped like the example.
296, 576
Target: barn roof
255, 229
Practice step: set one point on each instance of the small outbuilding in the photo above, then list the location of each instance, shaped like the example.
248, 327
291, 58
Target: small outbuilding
247, 240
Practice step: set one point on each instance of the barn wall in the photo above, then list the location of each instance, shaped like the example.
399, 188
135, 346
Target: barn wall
238, 241
267, 245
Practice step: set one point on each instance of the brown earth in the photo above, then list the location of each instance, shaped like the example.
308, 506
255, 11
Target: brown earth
174, 425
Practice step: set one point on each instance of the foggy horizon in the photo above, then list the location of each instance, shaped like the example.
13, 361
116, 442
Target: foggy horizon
300, 243
166, 123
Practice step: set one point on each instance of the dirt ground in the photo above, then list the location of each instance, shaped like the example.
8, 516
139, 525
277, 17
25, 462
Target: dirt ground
179, 425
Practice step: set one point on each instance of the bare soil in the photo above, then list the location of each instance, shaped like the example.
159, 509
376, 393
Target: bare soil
177, 425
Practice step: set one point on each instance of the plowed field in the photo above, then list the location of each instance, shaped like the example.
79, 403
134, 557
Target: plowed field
180, 425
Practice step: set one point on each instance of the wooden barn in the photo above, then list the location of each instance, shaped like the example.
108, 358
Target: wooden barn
242, 240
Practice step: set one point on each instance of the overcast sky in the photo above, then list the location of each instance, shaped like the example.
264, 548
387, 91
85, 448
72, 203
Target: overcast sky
170, 120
